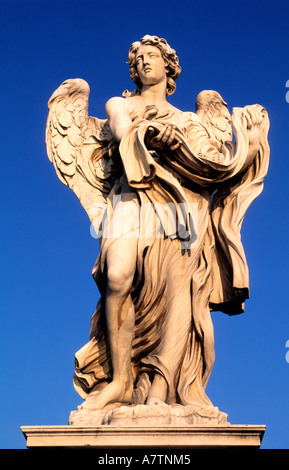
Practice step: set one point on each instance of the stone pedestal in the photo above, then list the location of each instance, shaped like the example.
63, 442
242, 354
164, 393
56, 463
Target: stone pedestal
150, 437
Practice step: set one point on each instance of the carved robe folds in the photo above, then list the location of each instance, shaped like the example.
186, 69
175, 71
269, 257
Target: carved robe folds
204, 259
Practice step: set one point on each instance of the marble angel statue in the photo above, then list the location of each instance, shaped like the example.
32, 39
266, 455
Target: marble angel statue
167, 192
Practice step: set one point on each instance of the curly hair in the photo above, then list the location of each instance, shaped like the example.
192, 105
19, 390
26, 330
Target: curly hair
172, 66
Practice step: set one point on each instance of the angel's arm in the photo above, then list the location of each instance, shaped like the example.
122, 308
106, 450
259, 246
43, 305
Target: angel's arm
118, 117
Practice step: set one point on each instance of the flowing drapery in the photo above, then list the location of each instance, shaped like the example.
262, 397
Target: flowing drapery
222, 181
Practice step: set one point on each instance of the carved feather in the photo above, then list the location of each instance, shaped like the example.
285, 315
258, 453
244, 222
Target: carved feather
65, 129
73, 139
214, 114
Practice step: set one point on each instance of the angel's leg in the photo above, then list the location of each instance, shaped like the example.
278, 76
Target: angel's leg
174, 332
120, 316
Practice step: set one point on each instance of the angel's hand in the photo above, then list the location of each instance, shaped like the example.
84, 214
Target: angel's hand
166, 136
253, 116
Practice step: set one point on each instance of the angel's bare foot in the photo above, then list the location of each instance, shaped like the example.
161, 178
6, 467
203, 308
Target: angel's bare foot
158, 391
114, 392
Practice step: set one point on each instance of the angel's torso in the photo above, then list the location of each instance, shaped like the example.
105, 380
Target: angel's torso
138, 108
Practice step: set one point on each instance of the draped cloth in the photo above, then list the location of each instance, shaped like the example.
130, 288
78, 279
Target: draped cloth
203, 262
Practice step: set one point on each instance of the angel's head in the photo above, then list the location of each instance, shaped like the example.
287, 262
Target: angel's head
172, 67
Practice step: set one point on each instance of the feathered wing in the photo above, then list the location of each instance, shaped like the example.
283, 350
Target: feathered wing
212, 111
229, 205
80, 146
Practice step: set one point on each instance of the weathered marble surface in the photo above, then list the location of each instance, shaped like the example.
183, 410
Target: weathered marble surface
138, 437
152, 415
166, 192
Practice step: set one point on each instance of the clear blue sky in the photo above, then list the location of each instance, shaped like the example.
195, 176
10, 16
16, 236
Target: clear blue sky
47, 253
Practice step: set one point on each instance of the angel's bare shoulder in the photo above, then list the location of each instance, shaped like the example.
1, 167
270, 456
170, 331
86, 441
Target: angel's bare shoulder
116, 105
118, 116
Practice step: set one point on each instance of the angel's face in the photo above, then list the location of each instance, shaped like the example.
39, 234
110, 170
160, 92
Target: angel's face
150, 65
